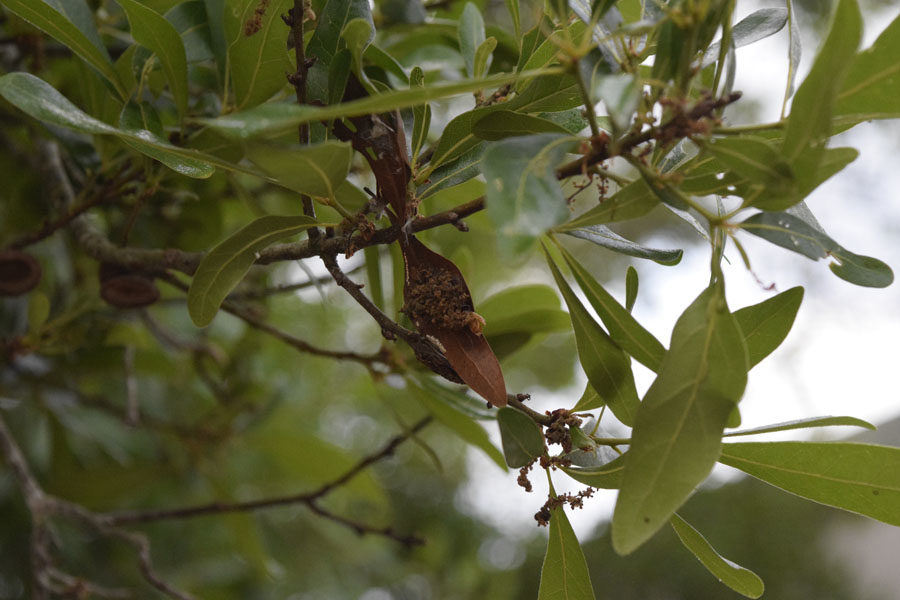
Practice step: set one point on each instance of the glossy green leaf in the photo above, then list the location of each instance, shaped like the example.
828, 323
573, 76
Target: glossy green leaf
564, 574
152, 31
607, 367
804, 424
765, 325
459, 423
744, 581
524, 198
135, 117
809, 123
326, 40
607, 238
77, 33
225, 265
607, 477
677, 435
872, 85
40, 100
258, 62
631, 288
470, 34
632, 201
522, 438
860, 478
314, 170
421, 114
754, 27
624, 330
791, 232
500, 124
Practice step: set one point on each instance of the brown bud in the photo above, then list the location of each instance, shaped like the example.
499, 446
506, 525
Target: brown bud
123, 288
19, 272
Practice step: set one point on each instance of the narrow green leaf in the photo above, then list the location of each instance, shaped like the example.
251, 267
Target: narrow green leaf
459, 423
744, 581
872, 85
524, 198
756, 160
631, 288
590, 400
215, 18
373, 275
677, 435
315, 170
257, 62
795, 51
624, 330
42, 101
860, 478
607, 367
421, 114
470, 34
765, 325
326, 40
607, 238
483, 55
80, 37
522, 438
225, 265
564, 575
513, 7
804, 424
500, 124
632, 201
607, 477
151, 30
794, 233
448, 175
754, 27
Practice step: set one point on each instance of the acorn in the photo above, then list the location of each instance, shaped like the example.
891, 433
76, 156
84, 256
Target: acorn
19, 272
124, 288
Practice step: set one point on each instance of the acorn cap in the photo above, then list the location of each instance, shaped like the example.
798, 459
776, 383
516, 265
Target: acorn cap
123, 288
19, 272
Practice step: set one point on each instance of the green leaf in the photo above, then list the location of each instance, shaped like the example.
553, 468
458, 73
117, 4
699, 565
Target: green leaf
500, 124
373, 275
225, 265
744, 581
872, 86
564, 575
804, 424
524, 198
607, 367
809, 123
358, 34
258, 62
461, 424
314, 170
513, 7
69, 24
765, 325
483, 55
326, 40
754, 27
631, 288
448, 175
522, 438
632, 201
152, 31
860, 478
192, 24
624, 330
677, 435
607, 477
756, 160
421, 114
589, 400
621, 94
795, 51
470, 34
40, 100
607, 238
794, 233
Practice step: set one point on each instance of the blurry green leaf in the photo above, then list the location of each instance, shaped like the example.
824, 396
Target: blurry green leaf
624, 330
135, 117
192, 24
471, 35
754, 27
522, 438
532, 40
71, 24
315, 170
257, 62
373, 275
791, 232
564, 575
607, 238
43, 102
607, 477
795, 52
421, 115
743, 581
357, 34
483, 55
621, 94
215, 14
631, 288
462, 425
757, 161
326, 40
225, 265
804, 424
607, 367
524, 198
152, 31
500, 124
632, 201
860, 478
513, 7
38, 311
765, 325
871, 87
677, 435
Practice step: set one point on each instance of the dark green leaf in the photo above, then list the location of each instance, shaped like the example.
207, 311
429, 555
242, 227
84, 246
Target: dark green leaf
326, 40
607, 367
756, 160
225, 265
677, 435
191, 23
607, 238
860, 478
631, 288
744, 581
500, 124
765, 325
522, 438
451, 174
315, 170
564, 575
152, 31
607, 477
872, 85
804, 424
